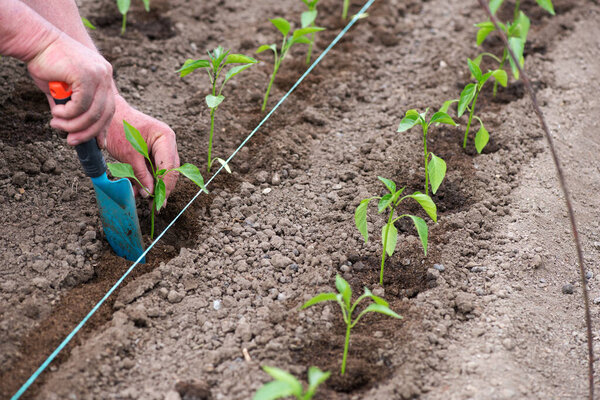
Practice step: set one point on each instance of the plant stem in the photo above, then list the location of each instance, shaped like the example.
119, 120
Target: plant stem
123, 24
152, 220
385, 239
345, 10
425, 155
470, 119
310, 47
346, 345
501, 66
264, 106
210, 138
516, 13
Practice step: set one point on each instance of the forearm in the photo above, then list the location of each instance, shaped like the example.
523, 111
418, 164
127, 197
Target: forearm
23, 32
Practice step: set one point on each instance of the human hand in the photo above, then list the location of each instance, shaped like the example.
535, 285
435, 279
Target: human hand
92, 105
159, 138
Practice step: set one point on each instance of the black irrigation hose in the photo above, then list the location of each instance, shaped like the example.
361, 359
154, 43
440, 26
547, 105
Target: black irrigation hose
563, 185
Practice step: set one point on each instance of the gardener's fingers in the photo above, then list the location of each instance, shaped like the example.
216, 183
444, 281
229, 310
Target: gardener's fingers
161, 140
79, 130
138, 163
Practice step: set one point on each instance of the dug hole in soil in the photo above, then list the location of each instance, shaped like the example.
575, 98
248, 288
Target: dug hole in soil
493, 312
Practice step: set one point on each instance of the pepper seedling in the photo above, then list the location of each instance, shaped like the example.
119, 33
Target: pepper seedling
286, 384
217, 60
298, 36
435, 169
344, 298
123, 6
345, 9
389, 233
468, 100
122, 170
307, 18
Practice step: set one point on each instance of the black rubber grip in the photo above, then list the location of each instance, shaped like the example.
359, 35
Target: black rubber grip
91, 158
62, 101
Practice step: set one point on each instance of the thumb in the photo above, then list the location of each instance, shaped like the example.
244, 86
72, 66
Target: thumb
144, 176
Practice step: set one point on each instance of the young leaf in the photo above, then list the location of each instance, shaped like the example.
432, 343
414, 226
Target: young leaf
344, 288
319, 299
301, 39
234, 71
444, 108
161, 172
284, 376
437, 172
146, 5
192, 173
134, 137
119, 170
378, 308
392, 238
265, 47
466, 96
389, 184
87, 23
160, 194
442, 118
421, 226
485, 28
191, 65
475, 70
411, 118
305, 31
376, 299
239, 59
224, 164
481, 139
518, 46
308, 18
384, 202
315, 378
123, 6
281, 24
214, 101
427, 204
495, 5
273, 390
547, 5
500, 76
360, 218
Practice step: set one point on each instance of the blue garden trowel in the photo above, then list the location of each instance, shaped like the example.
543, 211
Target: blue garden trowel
115, 198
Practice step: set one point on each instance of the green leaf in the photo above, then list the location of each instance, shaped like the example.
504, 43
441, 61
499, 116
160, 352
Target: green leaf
485, 28
376, 299
500, 76
160, 194
315, 378
482, 137
379, 308
214, 101
320, 298
389, 184
305, 31
239, 59
161, 172
392, 238
119, 170
301, 39
192, 172
217, 56
123, 6
282, 24
224, 164
447, 105
518, 46
384, 202
421, 226
495, 5
234, 71
547, 5
475, 70
273, 390
307, 18
360, 218
344, 288
284, 376
466, 96
146, 5
411, 118
87, 23
265, 47
191, 65
441, 117
427, 203
522, 25
134, 137
437, 172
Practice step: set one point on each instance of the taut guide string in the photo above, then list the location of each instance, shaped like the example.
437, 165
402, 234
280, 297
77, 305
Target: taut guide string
66, 341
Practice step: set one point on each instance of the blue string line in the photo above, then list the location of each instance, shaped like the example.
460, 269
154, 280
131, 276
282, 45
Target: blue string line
66, 341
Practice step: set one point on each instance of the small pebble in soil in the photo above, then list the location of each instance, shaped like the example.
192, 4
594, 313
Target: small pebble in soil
589, 275
217, 305
267, 191
478, 269
568, 289
597, 300
439, 267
